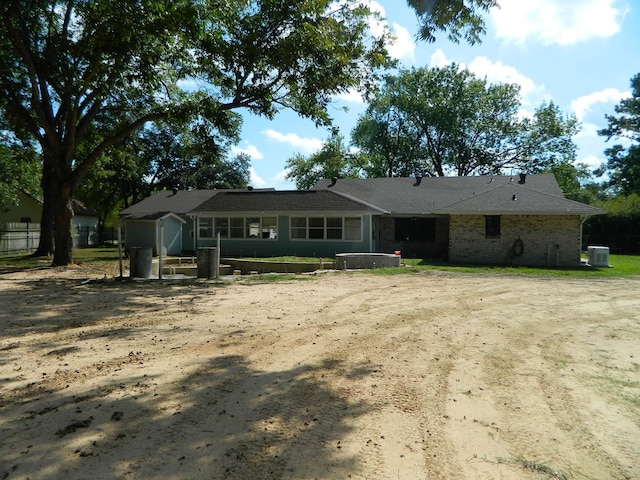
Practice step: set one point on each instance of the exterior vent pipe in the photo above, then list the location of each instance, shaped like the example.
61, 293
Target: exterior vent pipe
523, 178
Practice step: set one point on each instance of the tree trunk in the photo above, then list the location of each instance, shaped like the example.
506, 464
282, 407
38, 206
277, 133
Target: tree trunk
63, 211
46, 244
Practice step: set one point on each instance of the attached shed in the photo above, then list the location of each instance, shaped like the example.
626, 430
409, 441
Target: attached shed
146, 231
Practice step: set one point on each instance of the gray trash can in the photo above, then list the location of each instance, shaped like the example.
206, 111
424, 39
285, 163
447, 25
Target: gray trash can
140, 259
207, 262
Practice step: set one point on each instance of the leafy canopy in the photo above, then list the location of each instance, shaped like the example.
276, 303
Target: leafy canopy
623, 164
80, 77
447, 121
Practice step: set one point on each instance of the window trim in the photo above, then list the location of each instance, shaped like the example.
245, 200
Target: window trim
229, 227
212, 228
326, 228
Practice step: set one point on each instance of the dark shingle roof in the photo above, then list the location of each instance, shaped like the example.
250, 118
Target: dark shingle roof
518, 199
283, 201
397, 196
442, 195
167, 201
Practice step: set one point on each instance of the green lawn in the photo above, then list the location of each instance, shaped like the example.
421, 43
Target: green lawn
621, 265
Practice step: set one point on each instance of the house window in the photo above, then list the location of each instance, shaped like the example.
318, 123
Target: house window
492, 226
206, 227
269, 227
236, 229
298, 228
334, 228
316, 228
326, 228
221, 226
252, 227
415, 230
245, 227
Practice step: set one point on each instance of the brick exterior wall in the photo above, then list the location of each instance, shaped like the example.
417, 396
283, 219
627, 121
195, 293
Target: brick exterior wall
547, 240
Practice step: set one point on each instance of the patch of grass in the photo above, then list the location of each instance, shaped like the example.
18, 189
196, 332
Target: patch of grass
531, 465
94, 256
275, 278
538, 467
289, 259
622, 266
624, 390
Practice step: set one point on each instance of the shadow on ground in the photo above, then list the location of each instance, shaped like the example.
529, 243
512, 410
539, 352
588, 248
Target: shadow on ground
223, 420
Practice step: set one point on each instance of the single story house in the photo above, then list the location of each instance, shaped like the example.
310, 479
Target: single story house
513, 220
26, 215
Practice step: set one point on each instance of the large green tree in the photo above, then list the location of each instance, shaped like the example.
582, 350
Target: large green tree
623, 164
19, 169
460, 19
445, 121
82, 76
333, 160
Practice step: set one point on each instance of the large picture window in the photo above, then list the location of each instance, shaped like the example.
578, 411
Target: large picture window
415, 230
326, 228
239, 227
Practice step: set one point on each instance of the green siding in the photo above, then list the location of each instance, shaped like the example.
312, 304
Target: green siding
283, 245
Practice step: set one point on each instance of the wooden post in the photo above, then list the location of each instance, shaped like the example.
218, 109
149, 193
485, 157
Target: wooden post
120, 249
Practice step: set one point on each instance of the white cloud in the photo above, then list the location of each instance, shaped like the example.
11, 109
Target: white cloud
563, 22
189, 85
306, 145
497, 72
591, 161
282, 176
439, 59
350, 96
403, 45
250, 150
255, 180
588, 130
582, 105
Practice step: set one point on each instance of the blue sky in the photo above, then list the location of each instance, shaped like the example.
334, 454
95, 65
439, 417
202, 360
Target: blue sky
581, 54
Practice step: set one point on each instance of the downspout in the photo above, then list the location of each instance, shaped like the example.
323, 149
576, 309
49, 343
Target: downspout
195, 232
583, 218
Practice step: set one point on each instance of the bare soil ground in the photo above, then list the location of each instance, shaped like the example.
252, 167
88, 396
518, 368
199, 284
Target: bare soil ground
334, 376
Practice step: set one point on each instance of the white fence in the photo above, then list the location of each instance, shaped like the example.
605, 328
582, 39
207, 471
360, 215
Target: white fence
16, 237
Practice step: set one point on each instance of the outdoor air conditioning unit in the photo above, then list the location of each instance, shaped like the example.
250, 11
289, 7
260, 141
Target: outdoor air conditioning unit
598, 256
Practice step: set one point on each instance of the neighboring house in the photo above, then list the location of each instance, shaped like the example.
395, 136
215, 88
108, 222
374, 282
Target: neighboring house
24, 218
28, 210
522, 220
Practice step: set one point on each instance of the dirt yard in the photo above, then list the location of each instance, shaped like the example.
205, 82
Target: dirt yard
334, 376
